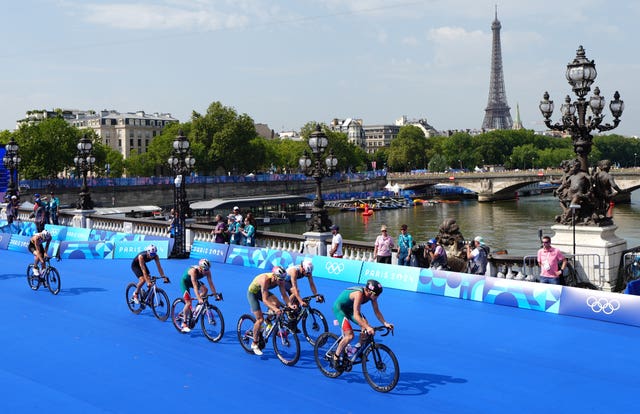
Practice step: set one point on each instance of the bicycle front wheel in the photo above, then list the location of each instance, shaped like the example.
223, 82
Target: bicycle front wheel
380, 367
177, 314
53, 280
131, 304
32, 280
323, 352
245, 331
314, 324
212, 324
160, 304
286, 344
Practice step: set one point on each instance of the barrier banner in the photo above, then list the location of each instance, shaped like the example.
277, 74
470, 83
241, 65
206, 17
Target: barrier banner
5, 238
604, 306
86, 250
524, 295
451, 284
68, 233
396, 277
19, 243
129, 249
215, 252
337, 269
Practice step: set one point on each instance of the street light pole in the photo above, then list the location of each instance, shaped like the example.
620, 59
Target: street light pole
312, 167
580, 74
84, 161
635, 155
12, 160
181, 163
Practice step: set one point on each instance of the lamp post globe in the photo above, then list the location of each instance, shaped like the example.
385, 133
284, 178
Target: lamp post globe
181, 164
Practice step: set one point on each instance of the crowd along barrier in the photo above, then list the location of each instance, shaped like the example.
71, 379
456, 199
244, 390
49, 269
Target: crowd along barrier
554, 299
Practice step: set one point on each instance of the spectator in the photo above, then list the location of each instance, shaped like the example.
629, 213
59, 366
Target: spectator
173, 221
237, 215
54, 208
12, 209
549, 260
220, 230
234, 230
248, 233
436, 254
477, 253
39, 211
405, 243
336, 242
383, 246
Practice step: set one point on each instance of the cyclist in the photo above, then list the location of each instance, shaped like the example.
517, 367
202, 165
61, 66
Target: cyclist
347, 308
191, 279
259, 291
140, 269
39, 251
291, 282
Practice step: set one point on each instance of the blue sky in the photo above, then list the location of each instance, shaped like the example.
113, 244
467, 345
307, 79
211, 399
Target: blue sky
285, 63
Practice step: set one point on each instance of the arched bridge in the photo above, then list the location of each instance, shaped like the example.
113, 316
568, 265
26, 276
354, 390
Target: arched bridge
494, 186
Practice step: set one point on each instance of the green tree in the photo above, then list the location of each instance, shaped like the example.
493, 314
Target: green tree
408, 149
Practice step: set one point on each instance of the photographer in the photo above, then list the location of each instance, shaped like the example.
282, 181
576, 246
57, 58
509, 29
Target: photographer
477, 253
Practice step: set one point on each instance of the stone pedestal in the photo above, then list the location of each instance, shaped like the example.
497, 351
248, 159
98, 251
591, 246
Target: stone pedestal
590, 241
316, 243
81, 219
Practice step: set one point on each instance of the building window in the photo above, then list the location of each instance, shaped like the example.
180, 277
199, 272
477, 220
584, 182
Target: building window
131, 142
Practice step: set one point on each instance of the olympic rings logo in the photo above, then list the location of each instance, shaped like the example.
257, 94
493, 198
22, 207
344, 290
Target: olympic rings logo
334, 267
603, 305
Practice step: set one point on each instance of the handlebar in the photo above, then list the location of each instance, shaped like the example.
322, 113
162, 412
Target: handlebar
319, 298
154, 278
380, 328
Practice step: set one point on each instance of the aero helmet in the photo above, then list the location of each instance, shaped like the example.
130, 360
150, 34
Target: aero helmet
374, 286
204, 264
151, 250
46, 235
279, 272
307, 266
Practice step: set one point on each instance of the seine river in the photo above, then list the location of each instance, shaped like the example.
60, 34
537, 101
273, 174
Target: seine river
511, 225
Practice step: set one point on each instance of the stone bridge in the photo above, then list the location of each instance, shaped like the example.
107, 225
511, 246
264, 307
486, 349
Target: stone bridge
494, 186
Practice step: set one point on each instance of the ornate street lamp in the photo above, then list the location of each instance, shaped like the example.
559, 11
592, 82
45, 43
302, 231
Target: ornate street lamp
181, 163
312, 167
12, 160
579, 119
84, 161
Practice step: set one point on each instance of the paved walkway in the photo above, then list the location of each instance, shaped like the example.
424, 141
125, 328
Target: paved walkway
83, 351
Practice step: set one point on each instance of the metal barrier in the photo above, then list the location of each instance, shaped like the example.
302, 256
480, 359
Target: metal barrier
588, 268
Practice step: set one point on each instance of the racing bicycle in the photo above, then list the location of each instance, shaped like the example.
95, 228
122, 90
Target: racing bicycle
313, 321
211, 320
286, 343
379, 363
153, 296
49, 277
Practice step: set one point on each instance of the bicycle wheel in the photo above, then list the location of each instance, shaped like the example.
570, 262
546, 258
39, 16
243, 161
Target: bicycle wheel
323, 352
32, 280
380, 367
133, 306
53, 280
245, 331
160, 304
286, 344
177, 314
212, 324
314, 324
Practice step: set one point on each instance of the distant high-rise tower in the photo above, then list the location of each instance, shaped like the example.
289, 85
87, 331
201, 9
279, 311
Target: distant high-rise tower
497, 115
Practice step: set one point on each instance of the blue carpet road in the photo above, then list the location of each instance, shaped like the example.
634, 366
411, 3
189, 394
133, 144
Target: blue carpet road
84, 351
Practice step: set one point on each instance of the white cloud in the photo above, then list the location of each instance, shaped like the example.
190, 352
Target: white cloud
455, 45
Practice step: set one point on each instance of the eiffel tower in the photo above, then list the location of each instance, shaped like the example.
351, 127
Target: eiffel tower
497, 115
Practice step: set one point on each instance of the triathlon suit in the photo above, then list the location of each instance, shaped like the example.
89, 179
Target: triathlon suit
37, 246
185, 281
254, 293
343, 307
135, 265
287, 280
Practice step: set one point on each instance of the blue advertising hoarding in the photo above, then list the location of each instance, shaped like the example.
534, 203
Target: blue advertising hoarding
129, 249
396, 277
5, 238
596, 304
86, 250
336, 269
215, 252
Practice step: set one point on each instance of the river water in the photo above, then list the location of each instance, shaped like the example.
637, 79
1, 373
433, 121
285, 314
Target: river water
511, 225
